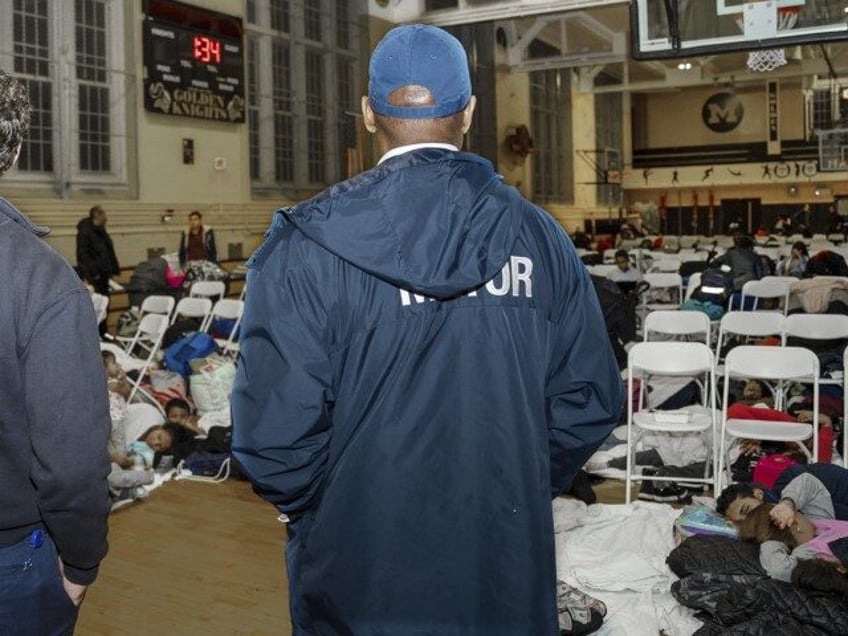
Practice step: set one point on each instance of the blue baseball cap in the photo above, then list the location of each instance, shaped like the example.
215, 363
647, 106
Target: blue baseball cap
419, 55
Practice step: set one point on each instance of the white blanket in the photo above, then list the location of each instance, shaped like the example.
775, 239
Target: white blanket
617, 553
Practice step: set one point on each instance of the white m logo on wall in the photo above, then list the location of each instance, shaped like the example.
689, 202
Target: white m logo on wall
722, 112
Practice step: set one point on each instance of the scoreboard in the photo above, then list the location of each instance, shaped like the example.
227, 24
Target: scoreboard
193, 62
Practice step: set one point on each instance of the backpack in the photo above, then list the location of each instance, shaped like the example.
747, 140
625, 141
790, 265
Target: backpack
181, 328
715, 312
183, 351
207, 464
128, 322
716, 287
619, 310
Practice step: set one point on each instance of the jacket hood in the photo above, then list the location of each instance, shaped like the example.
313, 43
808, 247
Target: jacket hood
433, 221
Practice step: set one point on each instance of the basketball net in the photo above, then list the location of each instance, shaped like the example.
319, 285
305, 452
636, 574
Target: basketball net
769, 59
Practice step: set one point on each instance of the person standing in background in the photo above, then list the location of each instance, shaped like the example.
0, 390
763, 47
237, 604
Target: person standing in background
54, 418
198, 242
423, 366
96, 260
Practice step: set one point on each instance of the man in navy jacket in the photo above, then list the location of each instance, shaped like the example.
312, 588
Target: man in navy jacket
424, 364
54, 418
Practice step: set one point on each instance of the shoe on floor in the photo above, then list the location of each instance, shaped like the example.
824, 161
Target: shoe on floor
579, 613
663, 492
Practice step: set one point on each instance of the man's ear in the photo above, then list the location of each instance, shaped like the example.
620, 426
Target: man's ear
468, 114
758, 493
368, 115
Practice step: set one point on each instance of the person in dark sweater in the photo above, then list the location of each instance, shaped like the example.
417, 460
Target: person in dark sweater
96, 258
54, 418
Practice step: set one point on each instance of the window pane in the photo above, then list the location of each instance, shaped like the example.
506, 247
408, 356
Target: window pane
314, 83
252, 71
91, 69
280, 16
32, 63
550, 116
253, 132
281, 69
343, 24
31, 47
94, 128
312, 21
315, 144
37, 149
283, 148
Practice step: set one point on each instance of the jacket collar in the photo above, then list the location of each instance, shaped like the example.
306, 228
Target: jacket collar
11, 212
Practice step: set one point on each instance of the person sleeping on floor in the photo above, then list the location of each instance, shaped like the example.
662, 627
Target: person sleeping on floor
789, 539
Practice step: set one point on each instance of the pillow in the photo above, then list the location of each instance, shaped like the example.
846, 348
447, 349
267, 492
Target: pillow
698, 519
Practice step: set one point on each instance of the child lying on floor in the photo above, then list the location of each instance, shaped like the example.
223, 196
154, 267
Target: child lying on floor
815, 490
127, 473
786, 539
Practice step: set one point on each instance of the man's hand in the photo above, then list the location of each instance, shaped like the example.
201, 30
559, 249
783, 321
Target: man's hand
783, 514
749, 446
74, 591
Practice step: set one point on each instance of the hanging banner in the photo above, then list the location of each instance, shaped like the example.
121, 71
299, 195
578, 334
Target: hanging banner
694, 212
773, 117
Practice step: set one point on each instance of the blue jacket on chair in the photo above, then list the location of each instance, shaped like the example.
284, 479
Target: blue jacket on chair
424, 364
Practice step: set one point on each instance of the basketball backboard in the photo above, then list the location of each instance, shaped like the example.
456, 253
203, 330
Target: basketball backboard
681, 28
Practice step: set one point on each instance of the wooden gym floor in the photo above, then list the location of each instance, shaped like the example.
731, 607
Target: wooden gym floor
200, 559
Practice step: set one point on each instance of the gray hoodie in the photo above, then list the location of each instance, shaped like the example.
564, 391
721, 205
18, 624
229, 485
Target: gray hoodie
54, 410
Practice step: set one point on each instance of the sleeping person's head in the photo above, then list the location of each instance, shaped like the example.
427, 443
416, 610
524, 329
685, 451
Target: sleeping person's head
160, 437
177, 411
737, 500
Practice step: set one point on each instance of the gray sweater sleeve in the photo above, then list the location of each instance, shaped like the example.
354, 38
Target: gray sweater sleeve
810, 496
778, 562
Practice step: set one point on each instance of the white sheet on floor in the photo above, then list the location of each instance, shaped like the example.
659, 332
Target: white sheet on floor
617, 554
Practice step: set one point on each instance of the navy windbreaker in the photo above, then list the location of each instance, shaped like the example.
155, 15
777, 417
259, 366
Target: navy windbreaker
423, 365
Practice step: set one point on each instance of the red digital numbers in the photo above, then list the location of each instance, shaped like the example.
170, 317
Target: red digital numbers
206, 50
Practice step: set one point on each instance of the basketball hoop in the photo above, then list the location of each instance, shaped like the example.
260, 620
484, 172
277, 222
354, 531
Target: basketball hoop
767, 59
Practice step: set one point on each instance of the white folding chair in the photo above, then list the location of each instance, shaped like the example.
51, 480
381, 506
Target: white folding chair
228, 309
764, 290
207, 289
193, 308
675, 359
776, 366
158, 304
666, 283
667, 263
101, 306
149, 334
682, 323
817, 327
784, 279
748, 324
603, 269
688, 241
153, 304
